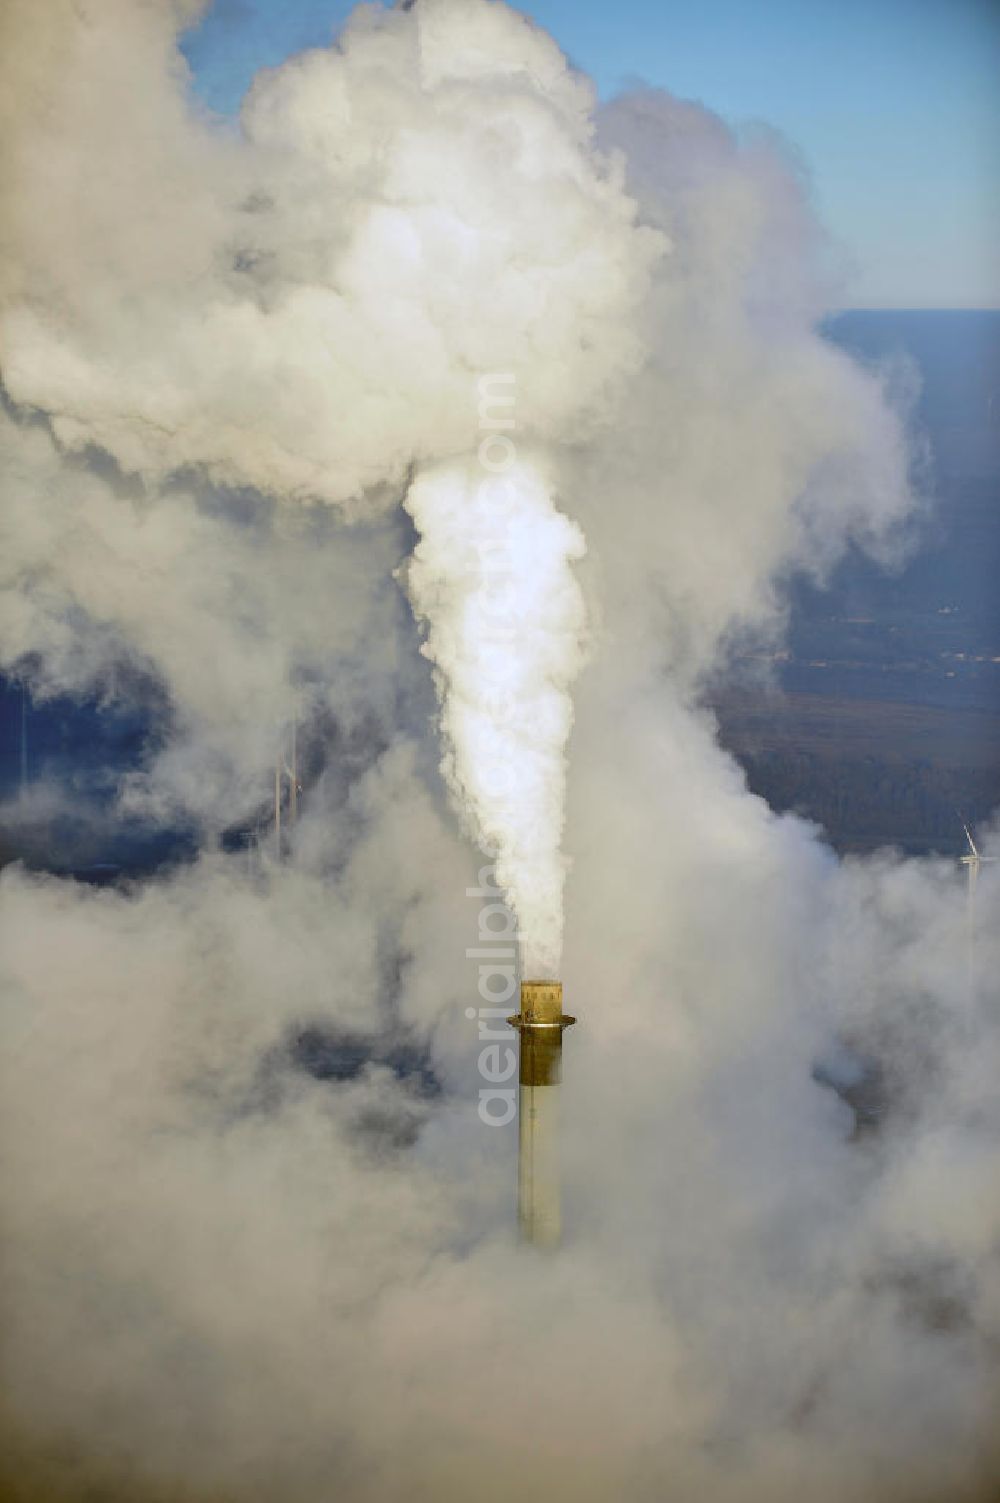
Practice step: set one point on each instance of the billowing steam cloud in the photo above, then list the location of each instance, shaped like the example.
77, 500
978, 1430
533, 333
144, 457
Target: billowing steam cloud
306, 310
492, 577
257, 1242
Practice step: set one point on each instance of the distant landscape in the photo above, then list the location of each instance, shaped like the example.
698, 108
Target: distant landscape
878, 717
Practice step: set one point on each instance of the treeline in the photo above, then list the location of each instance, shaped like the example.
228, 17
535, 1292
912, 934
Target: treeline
864, 802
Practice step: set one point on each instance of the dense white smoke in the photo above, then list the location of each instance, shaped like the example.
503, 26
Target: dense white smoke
306, 309
420, 204
257, 1242
492, 577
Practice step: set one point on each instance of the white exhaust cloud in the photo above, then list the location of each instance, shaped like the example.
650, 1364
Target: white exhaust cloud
305, 308
492, 577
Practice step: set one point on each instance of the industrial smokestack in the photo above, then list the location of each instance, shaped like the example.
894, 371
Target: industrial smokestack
540, 1023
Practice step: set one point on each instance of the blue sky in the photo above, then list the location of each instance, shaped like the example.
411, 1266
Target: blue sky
893, 104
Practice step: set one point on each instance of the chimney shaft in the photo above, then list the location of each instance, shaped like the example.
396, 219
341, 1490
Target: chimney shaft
540, 1023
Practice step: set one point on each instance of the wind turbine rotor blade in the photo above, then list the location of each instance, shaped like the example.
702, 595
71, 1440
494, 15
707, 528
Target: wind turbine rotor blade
968, 836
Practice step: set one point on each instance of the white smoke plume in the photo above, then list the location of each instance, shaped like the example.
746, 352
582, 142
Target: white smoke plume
305, 309
492, 577
421, 203
256, 1242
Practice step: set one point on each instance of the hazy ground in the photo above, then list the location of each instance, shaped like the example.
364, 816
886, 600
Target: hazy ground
885, 714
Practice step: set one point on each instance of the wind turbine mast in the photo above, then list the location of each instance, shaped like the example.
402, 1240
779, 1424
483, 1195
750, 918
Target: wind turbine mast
286, 768
972, 861
277, 807
293, 774
24, 738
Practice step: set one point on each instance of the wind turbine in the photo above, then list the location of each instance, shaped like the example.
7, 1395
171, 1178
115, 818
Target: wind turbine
24, 738
972, 861
286, 768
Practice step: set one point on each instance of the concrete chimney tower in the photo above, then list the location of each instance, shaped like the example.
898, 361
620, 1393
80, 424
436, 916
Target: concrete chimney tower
540, 1023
